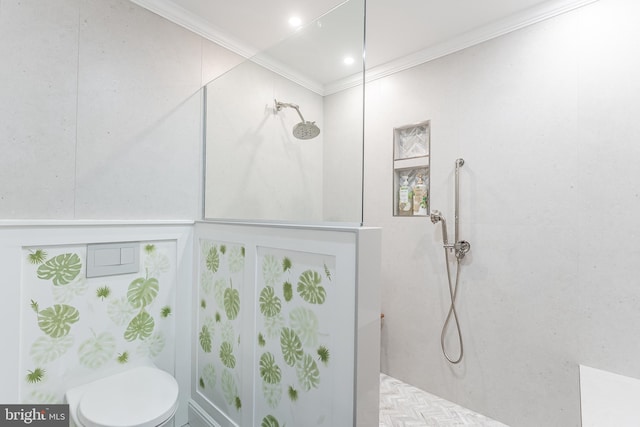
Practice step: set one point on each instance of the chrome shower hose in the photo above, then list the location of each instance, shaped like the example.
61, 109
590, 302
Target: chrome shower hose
453, 293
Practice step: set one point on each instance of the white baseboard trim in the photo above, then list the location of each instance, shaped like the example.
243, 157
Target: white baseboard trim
198, 417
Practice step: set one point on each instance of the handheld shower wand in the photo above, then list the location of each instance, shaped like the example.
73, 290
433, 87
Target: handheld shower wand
460, 248
436, 217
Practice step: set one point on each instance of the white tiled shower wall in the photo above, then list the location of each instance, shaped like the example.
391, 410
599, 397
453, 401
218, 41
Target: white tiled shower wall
101, 117
100, 111
252, 151
546, 121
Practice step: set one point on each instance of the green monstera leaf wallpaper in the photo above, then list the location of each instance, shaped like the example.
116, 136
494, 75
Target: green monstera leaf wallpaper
296, 312
293, 299
74, 326
270, 335
220, 310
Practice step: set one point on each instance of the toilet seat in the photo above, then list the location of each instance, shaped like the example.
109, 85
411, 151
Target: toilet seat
140, 397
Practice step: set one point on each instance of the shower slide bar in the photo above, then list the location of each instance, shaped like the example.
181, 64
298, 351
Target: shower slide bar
460, 248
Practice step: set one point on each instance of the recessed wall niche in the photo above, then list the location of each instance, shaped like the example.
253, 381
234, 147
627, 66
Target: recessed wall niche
411, 148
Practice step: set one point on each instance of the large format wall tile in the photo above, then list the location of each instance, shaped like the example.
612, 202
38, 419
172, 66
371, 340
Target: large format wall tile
139, 114
610, 196
545, 120
273, 174
39, 51
101, 111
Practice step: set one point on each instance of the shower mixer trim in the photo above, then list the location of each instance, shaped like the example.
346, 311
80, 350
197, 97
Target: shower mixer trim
461, 247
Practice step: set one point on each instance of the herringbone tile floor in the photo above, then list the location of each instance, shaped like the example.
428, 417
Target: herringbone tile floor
402, 405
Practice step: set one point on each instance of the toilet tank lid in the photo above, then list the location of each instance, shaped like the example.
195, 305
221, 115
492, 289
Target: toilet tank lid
141, 397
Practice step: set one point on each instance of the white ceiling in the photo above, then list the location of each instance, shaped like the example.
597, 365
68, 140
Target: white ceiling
400, 33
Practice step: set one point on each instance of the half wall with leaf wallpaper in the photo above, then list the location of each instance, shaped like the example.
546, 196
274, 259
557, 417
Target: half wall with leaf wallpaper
61, 329
276, 330
220, 307
76, 328
295, 336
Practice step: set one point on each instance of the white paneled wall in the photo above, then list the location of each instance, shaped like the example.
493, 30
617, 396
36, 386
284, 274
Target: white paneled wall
243, 371
545, 120
17, 238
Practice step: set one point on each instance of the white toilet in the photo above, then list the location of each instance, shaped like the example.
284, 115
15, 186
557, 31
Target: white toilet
143, 396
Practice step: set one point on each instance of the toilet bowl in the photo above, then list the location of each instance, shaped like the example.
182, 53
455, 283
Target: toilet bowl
143, 396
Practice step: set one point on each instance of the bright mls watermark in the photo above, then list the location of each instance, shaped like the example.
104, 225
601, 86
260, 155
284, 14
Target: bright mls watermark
34, 415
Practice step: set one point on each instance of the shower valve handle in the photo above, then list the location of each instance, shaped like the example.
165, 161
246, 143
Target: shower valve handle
462, 247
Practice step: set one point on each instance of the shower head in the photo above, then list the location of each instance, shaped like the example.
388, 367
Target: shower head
304, 129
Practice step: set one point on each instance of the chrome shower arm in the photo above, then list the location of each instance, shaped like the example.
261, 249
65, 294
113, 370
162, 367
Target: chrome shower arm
281, 105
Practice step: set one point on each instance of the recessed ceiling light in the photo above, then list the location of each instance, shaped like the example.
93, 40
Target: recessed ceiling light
348, 60
295, 21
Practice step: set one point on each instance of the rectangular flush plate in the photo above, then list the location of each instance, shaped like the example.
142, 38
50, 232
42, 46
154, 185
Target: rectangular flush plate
107, 259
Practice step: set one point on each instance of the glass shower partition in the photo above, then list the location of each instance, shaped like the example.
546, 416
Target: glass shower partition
286, 303
256, 168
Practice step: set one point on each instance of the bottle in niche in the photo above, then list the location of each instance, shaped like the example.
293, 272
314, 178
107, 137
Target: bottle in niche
420, 197
405, 197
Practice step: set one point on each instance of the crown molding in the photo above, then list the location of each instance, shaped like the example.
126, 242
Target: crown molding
169, 10
180, 16
479, 35
343, 84
192, 22
286, 72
